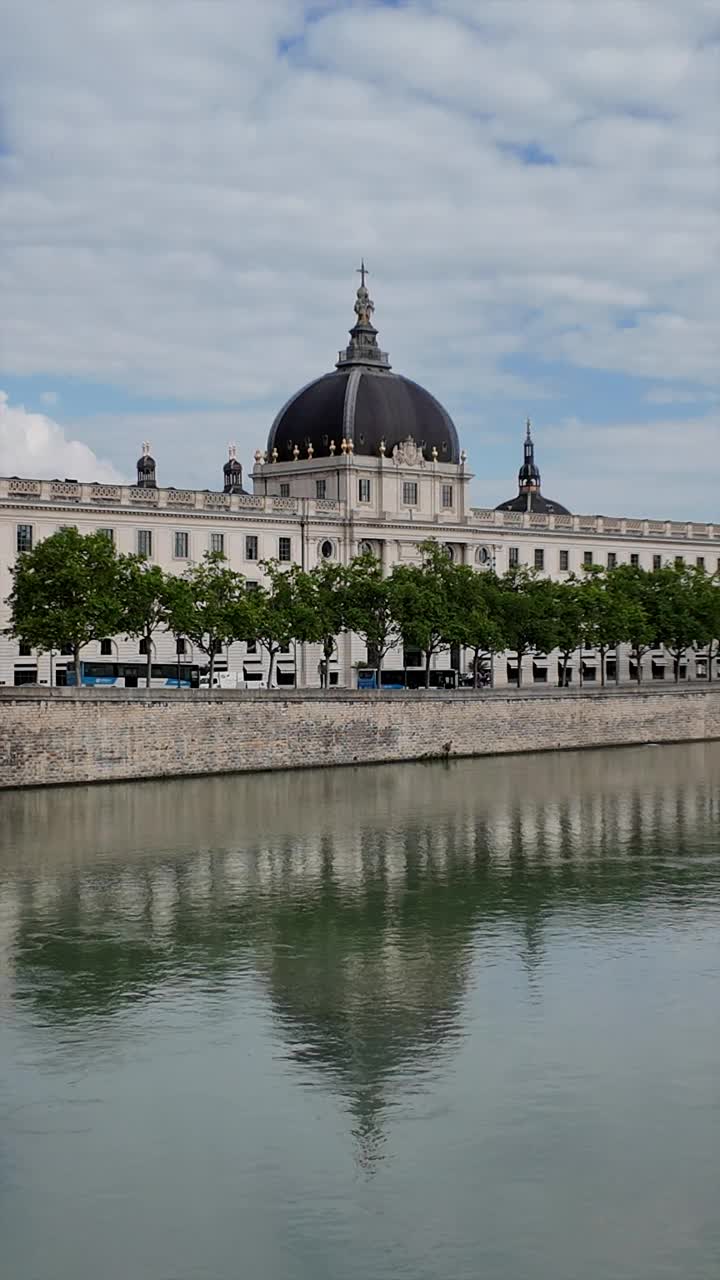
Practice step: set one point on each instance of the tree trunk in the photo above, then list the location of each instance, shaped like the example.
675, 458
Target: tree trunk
710, 661
78, 666
271, 651
148, 659
476, 668
378, 674
328, 647
428, 659
492, 669
519, 665
617, 663
211, 669
177, 659
603, 651
676, 667
638, 661
581, 674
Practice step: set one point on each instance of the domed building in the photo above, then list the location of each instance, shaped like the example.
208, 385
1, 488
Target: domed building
363, 403
529, 497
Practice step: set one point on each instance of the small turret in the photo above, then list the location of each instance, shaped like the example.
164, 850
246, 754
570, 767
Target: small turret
232, 473
146, 469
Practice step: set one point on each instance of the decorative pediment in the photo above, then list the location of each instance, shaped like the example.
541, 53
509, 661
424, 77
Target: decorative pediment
408, 453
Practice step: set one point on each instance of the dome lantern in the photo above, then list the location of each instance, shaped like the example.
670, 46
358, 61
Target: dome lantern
232, 473
529, 497
146, 469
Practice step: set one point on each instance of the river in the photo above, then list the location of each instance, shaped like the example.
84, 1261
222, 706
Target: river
438, 1021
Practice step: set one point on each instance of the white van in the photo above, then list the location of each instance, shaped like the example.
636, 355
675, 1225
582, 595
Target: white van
223, 680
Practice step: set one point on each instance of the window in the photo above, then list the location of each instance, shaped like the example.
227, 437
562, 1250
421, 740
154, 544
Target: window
109, 534
612, 560
446, 495
327, 549
482, 555
539, 560
564, 561
657, 562
587, 559
144, 542
24, 537
366, 549
251, 646
252, 586
284, 489
66, 649
143, 647
25, 675
217, 543
182, 546
363, 490
410, 493
24, 650
321, 488
180, 646
635, 560
284, 549
514, 557
679, 562
251, 547
106, 648
700, 562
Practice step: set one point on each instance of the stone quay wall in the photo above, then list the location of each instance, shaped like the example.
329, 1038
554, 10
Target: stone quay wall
64, 736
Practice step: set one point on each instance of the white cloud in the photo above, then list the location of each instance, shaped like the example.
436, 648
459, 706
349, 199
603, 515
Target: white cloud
187, 189
31, 444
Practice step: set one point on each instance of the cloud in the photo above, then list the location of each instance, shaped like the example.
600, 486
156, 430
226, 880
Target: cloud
187, 190
31, 444
49, 397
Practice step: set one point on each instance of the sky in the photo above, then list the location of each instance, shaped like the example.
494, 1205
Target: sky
187, 189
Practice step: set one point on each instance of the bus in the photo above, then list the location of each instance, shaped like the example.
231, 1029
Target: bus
411, 678
133, 675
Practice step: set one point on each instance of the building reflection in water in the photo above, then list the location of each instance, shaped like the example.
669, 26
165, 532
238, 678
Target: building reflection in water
360, 898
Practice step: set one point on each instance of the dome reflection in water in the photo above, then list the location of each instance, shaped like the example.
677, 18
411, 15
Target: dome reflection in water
423, 1020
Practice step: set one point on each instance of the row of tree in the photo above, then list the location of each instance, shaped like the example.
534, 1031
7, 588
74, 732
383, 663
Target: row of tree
72, 589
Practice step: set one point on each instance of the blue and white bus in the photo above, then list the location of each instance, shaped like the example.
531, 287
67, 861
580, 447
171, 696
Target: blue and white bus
133, 675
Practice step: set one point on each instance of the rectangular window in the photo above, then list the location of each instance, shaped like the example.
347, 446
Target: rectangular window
24, 537
679, 562
284, 488
24, 650
251, 646
657, 562
587, 559
180, 646
251, 547
143, 647
447, 495
564, 561
217, 543
612, 560
321, 488
410, 493
363, 490
144, 542
106, 648
700, 562
182, 546
109, 534
284, 549
252, 586
514, 557
539, 559
635, 559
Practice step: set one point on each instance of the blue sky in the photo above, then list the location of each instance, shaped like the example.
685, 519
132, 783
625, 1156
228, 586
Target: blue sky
188, 189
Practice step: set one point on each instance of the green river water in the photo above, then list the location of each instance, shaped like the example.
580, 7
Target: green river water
437, 1021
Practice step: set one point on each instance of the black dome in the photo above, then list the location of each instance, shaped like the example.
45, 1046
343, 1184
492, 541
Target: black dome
367, 406
534, 502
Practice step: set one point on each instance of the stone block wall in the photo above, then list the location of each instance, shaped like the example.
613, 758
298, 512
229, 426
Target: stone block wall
64, 736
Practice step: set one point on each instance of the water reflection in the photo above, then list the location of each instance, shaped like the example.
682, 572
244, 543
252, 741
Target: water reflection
359, 898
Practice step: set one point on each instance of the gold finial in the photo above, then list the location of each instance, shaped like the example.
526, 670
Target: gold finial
343, 445
232, 452
274, 455
382, 448
350, 444
434, 453
258, 456
331, 448
296, 453
463, 457
146, 448
310, 449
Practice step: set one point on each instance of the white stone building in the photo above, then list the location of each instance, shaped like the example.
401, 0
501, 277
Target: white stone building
360, 458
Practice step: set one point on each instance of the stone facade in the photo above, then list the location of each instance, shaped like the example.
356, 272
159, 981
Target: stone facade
70, 736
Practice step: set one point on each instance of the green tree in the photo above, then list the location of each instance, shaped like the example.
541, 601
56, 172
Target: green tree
632, 595
322, 602
527, 603
708, 605
65, 593
475, 614
279, 612
606, 620
145, 596
206, 605
368, 605
678, 610
422, 603
569, 622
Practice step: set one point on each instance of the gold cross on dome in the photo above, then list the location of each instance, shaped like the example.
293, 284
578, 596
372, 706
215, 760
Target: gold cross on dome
362, 271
